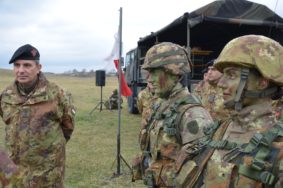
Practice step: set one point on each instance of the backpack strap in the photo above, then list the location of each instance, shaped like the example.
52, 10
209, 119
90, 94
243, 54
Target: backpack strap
258, 170
149, 126
174, 116
202, 159
260, 148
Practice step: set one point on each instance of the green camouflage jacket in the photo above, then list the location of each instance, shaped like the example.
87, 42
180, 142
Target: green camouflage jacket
175, 125
37, 128
212, 100
199, 88
112, 102
229, 168
143, 101
144, 104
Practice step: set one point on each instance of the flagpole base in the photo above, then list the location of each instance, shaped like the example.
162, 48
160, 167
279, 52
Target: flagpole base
118, 173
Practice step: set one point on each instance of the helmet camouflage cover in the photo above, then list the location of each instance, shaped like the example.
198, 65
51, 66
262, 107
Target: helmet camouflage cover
169, 56
115, 91
254, 51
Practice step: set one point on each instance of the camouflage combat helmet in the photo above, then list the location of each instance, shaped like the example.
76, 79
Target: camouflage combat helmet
169, 56
254, 51
115, 91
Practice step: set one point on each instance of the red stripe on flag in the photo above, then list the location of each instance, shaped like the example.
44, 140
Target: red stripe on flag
126, 91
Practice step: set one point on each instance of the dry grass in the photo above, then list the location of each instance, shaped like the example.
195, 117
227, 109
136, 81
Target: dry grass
91, 152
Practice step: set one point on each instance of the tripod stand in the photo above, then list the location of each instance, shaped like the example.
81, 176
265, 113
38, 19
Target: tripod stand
99, 104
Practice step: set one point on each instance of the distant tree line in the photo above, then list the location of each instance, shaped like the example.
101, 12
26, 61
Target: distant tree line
85, 73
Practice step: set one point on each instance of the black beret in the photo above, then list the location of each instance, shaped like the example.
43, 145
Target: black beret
25, 52
204, 70
210, 63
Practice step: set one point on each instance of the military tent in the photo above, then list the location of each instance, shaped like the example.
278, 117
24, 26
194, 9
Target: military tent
213, 25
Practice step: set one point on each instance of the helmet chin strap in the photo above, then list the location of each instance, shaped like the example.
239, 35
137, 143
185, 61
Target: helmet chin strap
269, 92
237, 102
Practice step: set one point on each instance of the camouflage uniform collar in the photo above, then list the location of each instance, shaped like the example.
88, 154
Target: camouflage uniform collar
16, 97
149, 91
40, 82
176, 90
253, 112
214, 82
212, 86
41, 86
26, 90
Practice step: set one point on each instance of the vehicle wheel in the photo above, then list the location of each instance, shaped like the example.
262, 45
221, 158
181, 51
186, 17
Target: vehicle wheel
132, 103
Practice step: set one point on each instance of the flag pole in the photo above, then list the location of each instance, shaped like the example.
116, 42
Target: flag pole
119, 96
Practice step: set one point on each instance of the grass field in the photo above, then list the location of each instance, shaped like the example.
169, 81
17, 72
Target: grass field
91, 152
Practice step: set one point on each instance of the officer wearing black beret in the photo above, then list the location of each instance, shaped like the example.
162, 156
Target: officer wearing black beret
26, 68
208, 64
25, 52
39, 118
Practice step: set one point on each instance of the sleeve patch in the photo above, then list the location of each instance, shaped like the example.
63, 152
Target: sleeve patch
193, 127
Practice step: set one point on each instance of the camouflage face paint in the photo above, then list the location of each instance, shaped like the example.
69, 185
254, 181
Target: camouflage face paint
229, 82
162, 82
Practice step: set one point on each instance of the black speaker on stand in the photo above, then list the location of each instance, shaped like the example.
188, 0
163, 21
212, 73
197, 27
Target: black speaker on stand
99, 81
100, 78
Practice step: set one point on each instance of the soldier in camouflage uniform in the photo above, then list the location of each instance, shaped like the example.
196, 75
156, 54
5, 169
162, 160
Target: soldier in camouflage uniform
200, 86
211, 95
144, 97
39, 118
145, 100
176, 121
112, 102
246, 152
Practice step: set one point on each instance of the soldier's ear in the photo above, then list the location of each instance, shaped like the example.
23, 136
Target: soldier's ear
263, 83
38, 66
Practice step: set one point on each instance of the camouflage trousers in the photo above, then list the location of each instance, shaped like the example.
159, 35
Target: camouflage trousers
39, 178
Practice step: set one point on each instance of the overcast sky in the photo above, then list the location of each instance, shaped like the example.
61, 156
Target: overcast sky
79, 34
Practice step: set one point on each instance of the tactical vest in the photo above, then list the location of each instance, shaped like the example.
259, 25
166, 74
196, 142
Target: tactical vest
165, 122
260, 156
254, 160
